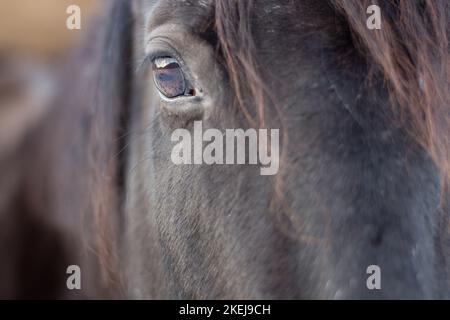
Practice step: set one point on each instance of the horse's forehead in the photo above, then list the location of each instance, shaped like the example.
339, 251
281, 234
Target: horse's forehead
279, 14
190, 13
194, 12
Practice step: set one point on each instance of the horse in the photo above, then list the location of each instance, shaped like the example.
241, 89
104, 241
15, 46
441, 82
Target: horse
364, 161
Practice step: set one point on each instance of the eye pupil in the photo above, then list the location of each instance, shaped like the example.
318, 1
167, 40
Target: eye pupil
168, 77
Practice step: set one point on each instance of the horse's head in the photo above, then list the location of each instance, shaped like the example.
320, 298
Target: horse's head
363, 147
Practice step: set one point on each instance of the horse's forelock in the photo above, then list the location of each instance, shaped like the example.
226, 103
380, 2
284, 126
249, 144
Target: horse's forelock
411, 49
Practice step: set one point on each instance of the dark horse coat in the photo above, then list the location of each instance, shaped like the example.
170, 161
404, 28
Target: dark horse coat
364, 165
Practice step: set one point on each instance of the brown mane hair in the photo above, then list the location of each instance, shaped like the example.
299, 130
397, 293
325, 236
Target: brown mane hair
411, 49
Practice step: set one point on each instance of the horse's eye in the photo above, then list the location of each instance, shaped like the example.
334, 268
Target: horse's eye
169, 77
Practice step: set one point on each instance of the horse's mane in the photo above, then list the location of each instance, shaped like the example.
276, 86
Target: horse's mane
78, 163
411, 50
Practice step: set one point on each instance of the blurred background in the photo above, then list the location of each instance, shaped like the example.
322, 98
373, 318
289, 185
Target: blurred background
34, 41
38, 28
34, 44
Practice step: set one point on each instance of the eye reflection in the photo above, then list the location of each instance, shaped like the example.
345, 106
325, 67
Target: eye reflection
169, 78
